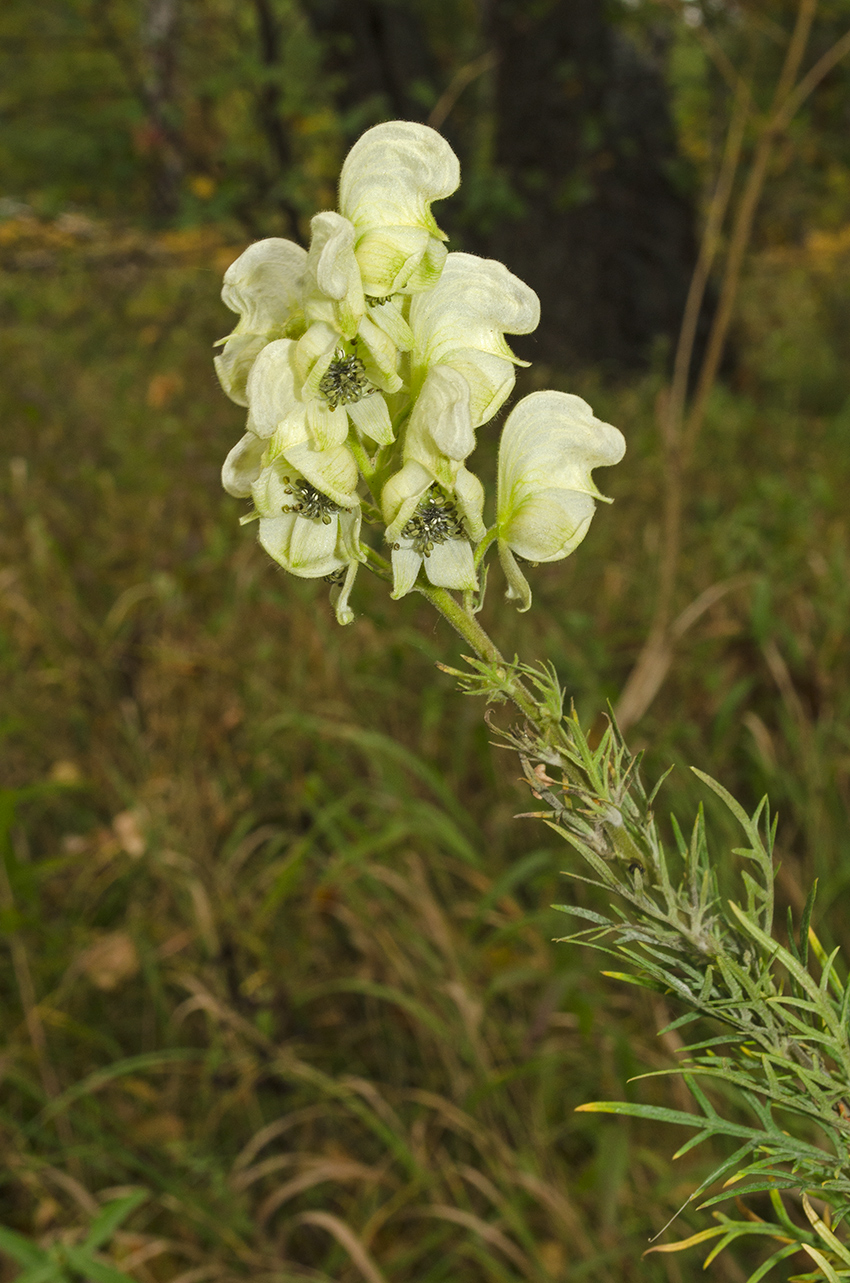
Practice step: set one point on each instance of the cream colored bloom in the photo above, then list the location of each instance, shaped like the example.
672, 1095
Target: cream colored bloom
462, 323
310, 531
433, 505
550, 443
388, 181
433, 533
264, 286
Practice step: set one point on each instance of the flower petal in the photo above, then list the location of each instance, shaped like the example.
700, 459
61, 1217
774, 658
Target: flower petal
333, 289
302, 546
314, 352
386, 314
406, 562
313, 547
264, 287
388, 181
462, 322
545, 501
332, 472
469, 494
451, 565
327, 427
401, 494
549, 525
518, 589
273, 490
553, 440
271, 387
372, 417
440, 421
381, 356
243, 465
340, 594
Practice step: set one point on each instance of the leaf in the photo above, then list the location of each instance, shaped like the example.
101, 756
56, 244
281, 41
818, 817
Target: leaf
132, 1064
766, 1266
702, 1237
824, 1232
820, 1259
94, 1271
21, 1249
110, 1217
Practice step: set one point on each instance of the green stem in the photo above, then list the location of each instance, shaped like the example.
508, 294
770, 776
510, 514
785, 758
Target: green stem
485, 544
377, 564
485, 648
364, 463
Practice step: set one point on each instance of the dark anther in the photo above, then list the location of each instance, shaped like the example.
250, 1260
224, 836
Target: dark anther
345, 381
434, 521
310, 502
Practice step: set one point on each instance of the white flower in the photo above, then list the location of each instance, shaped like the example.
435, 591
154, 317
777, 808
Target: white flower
461, 372
388, 181
546, 494
264, 287
307, 530
280, 421
433, 505
433, 533
462, 323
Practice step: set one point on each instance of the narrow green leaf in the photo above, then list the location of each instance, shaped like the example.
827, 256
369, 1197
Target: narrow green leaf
820, 1260
703, 1236
805, 924
21, 1249
94, 1271
734, 806
132, 1064
767, 1266
110, 1217
824, 1232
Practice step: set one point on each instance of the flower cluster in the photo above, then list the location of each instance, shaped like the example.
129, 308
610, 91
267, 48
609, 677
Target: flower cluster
368, 362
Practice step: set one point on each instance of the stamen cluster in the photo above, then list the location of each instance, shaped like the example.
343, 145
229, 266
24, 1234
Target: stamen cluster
434, 521
345, 381
309, 502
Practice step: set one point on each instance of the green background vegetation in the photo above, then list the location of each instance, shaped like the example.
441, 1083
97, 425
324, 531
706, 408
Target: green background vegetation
274, 948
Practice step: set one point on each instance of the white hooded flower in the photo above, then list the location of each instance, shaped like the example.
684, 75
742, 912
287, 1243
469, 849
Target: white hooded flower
264, 287
310, 524
434, 533
388, 181
462, 323
550, 443
433, 505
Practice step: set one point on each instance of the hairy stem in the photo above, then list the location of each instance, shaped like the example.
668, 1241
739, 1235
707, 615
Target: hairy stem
485, 648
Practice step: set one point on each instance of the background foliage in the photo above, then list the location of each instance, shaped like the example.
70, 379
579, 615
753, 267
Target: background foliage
274, 950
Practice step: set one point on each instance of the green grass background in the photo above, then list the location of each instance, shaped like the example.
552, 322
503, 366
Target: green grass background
274, 948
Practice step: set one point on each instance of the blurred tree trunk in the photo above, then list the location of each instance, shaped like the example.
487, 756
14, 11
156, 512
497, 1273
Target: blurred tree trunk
159, 41
583, 134
380, 51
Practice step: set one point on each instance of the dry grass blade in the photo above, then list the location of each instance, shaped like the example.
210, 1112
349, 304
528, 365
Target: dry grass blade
317, 1172
483, 1229
346, 1237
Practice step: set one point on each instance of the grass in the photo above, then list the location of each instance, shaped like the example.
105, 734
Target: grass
277, 953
